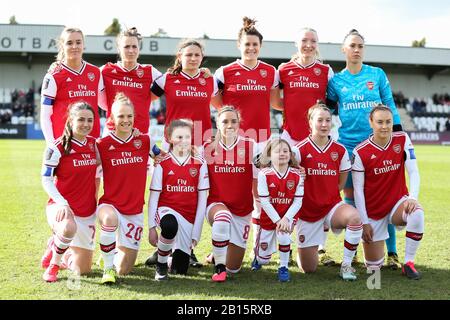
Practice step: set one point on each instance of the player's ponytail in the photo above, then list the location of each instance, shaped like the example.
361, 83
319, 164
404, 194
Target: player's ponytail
249, 28
74, 108
177, 67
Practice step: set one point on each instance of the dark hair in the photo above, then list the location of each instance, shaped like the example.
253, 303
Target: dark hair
379, 107
66, 139
249, 29
265, 157
177, 67
354, 32
179, 123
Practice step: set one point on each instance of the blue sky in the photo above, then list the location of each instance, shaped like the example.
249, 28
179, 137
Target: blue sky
384, 22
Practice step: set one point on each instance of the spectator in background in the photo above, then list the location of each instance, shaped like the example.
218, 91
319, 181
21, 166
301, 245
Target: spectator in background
438, 126
447, 124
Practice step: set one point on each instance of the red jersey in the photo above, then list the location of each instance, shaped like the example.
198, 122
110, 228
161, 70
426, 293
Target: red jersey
281, 189
302, 87
135, 84
231, 173
384, 172
124, 165
188, 98
179, 184
75, 174
248, 90
323, 167
63, 86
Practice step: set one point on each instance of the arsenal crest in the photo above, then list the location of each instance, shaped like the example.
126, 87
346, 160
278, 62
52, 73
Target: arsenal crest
370, 85
140, 73
334, 156
202, 81
91, 76
397, 148
91, 146
137, 143
241, 153
264, 246
263, 73
193, 172
317, 71
290, 184
301, 238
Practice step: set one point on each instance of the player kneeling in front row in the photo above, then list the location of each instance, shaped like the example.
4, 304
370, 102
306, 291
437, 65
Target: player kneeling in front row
124, 160
327, 164
177, 201
280, 188
380, 190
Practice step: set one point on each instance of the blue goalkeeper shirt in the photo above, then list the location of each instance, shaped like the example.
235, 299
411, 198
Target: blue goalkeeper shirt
356, 95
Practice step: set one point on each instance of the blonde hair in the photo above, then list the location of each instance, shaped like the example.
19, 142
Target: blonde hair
131, 32
60, 41
266, 161
317, 56
222, 110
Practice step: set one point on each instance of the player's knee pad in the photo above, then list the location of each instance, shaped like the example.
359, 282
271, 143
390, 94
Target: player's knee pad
180, 262
284, 239
221, 228
415, 221
169, 226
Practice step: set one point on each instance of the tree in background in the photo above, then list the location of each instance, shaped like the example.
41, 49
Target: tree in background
114, 29
160, 34
419, 44
12, 20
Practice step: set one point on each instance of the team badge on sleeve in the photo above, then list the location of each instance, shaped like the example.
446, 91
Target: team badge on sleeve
137, 143
48, 153
397, 148
193, 172
46, 83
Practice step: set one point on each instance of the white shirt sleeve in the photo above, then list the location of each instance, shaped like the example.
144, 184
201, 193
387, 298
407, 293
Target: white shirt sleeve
203, 181
255, 152
358, 187
276, 79
412, 169
219, 75
161, 81
297, 203
345, 165
199, 215
50, 163
330, 73
155, 73
48, 94
155, 191
215, 87
264, 197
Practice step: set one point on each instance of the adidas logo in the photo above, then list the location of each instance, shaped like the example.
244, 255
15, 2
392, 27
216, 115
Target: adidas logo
170, 173
344, 89
309, 156
112, 148
68, 80
114, 71
237, 73
290, 73
72, 151
177, 81
272, 185
373, 156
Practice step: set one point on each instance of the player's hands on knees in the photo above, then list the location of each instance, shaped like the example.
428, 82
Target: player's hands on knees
410, 205
64, 212
367, 233
153, 236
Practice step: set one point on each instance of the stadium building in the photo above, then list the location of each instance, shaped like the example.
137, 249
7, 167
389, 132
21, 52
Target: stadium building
421, 74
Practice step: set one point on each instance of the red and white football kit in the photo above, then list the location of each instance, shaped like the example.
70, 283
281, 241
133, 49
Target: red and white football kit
63, 86
302, 86
188, 98
135, 84
248, 90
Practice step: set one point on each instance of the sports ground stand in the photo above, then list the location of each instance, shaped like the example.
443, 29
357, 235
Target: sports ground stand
419, 77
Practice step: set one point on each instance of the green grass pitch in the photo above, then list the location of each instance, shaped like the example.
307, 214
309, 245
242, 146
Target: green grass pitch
24, 232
